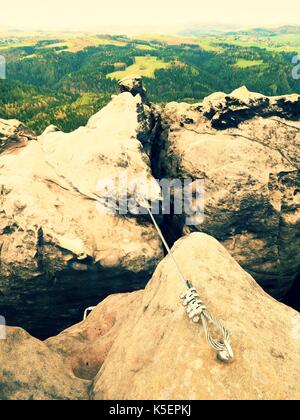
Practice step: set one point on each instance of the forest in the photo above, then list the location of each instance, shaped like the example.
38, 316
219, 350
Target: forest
49, 82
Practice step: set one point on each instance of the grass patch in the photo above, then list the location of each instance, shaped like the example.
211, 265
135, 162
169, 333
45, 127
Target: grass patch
244, 64
209, 44
144, 66
144, 47
80, 43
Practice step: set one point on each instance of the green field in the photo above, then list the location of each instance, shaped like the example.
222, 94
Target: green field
282, 43
244, 64
144, 66
209, 44
144, 47
70, 43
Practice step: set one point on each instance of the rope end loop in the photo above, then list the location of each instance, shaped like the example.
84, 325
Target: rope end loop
197, 312
226, 355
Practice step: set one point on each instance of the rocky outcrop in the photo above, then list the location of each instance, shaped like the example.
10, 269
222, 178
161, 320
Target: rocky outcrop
63, 247
246, 148
29, 370
146, 340
134, 85
14, 134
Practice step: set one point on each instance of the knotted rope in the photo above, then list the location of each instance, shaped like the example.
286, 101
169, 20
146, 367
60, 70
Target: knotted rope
196, 309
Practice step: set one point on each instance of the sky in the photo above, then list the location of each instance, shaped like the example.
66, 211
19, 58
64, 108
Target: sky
104, 14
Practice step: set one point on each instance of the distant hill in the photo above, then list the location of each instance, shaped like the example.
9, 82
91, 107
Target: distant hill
288, 30
227, 30
253, 32
267, 32
207, 29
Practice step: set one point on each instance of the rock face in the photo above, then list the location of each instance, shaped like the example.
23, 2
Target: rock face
162, 355
86, 345
145, 339
14, 134
246, 148
62, 249
134, 85
29, 370
62, 245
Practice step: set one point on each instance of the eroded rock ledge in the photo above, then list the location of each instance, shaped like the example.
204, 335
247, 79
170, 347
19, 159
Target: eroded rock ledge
145, 339
61, 250
246, 148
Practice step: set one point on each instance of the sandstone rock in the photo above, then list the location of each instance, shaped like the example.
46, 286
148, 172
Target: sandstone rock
158, 353
62, 249
246, 148
14, 134
146, 340
134, 85
85, 346
29, 370
50, 129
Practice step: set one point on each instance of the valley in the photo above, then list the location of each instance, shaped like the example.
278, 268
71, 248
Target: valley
63, 78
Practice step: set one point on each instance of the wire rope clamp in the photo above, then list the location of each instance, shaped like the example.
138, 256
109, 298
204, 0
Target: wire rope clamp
193, 304
197, 312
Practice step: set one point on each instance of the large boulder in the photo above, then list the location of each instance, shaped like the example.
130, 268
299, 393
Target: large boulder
163, 355
246, 148
29, 370
145, 339
62, 247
